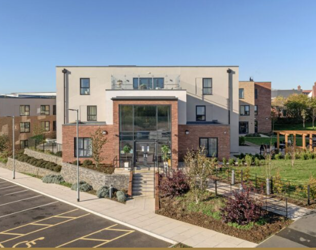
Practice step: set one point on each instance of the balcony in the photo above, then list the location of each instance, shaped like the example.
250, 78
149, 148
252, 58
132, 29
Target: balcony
145, 82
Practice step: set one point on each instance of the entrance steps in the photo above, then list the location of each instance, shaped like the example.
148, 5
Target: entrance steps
143, 183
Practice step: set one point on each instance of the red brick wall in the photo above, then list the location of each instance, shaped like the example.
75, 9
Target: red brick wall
69, 133
264, 106
174, 125
191, 141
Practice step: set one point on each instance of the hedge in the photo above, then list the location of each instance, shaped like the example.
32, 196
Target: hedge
38, 162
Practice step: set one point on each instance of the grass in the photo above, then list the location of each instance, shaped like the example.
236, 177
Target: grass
300, 173
3, 160
308, 126
267, 140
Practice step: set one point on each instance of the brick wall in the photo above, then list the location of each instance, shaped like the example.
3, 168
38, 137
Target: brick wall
69, 133
191, 141
6, 127
264, 106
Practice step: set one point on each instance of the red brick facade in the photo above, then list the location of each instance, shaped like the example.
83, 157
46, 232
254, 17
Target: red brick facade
263, 102
191, 141
180, 141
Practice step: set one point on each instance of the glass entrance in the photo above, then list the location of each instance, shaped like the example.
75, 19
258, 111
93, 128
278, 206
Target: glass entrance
145, 155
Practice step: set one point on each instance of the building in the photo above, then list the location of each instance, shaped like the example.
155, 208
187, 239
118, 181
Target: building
254, 107
145, 107
31, 111
287, 92
313, 91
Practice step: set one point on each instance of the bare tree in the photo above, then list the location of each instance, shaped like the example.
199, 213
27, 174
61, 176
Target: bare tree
98, 141
199, 168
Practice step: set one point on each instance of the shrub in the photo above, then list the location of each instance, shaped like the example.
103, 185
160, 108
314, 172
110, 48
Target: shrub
120, 195
304, 156
87, 163
224, 161
278, 156
51, 178
242, 140
257, 162
239, 162
242, 209
287, 156
103, 192
310, 155
248, 160
173, 185
278, 186
231, 162
38, 162
75, 162
83, 186
59, 153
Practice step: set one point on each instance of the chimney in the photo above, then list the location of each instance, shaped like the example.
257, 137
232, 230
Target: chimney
299, 87
314, 83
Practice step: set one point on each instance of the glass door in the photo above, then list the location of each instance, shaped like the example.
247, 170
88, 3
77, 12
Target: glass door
145, 154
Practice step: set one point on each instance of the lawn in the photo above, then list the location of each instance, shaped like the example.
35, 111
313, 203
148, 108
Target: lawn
300, 173
308, 126
267, 140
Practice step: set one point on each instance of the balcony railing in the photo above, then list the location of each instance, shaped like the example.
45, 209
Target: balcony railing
145, 82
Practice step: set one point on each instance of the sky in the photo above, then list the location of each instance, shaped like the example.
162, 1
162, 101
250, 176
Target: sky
270, 40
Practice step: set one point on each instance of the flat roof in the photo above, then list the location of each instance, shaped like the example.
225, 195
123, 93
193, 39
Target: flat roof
153, 98
151, 66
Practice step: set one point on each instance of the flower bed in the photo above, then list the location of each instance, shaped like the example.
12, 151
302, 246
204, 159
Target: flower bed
207, 214
103, 168
38, 162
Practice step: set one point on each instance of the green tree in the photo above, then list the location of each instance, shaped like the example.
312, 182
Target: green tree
278, 105
312, 107
98, 141
295, 104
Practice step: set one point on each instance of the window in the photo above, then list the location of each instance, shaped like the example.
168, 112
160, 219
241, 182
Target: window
256, 126
244, 110
210, 146
24, 144
200, 113
84, 147
45, 126
243, 128
24, 127
241, 93
91, 113
54, 109
24, 110
84, 86
256, 93
54, 125
207, 86
148, 83
256, 109
45, 109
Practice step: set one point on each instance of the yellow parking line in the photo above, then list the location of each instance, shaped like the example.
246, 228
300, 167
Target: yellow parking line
38, 224
66, 217
92, 239
132, 231
11, 234
40, 229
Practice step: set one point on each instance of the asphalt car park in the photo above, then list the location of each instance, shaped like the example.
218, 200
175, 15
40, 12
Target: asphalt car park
30, 219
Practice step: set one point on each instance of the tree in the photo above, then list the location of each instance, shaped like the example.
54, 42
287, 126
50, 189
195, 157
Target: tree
295, 104
278, 104
312, 107
5, 148
199, 168
98, 141
38, 134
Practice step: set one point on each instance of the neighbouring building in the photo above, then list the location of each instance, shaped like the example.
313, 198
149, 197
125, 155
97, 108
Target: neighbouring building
31, 111
287, 92
145, 107
313, 91
254, 107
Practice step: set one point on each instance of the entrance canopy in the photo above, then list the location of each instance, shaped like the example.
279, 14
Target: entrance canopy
303, 133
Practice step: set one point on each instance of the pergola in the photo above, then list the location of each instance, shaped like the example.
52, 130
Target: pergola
303, 133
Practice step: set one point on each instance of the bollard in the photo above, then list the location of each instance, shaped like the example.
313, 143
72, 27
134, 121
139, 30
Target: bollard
268, 190
111, 191
233, 177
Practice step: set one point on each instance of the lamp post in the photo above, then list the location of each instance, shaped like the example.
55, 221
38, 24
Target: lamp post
77, 153
13, 146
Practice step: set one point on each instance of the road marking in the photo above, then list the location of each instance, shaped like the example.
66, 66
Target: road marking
20, 200
7, 187
17, 192
110, 228
28, 243
29, 209
40, 229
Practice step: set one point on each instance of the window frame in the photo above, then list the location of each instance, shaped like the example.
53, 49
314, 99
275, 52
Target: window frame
196, 113
80, 82
54, 110
243, 93
25, 131
75, 145
45, 112
211, 88
24, 110
89, 115
244, 110
24, 146
247, 132
208, 145
45, 127
256, 110
256, 93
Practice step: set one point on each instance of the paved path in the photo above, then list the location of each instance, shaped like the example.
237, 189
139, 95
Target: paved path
137, 214
301, 233
271, 204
